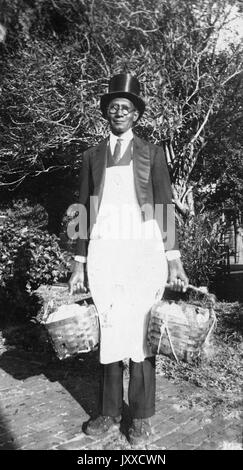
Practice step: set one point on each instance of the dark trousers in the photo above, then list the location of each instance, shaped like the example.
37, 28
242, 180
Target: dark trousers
141, 389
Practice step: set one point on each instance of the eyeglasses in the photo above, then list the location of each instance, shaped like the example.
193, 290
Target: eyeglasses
116, 107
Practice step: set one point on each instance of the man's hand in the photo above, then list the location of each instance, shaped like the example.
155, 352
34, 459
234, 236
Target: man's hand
177, 277
76, 281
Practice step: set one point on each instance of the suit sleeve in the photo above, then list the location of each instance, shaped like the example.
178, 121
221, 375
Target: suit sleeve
164, 207
84, 193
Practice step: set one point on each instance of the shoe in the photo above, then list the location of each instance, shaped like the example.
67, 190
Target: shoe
102, 424
140, 431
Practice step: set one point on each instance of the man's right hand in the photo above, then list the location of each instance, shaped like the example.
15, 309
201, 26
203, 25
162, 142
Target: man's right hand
76, 281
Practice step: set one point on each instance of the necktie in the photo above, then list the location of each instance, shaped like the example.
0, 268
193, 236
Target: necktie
117, 151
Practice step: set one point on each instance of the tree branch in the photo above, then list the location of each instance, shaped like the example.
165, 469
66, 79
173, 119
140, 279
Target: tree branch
238, 72
203, 124
34, 175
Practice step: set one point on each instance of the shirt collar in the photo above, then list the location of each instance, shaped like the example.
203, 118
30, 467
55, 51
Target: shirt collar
126, 136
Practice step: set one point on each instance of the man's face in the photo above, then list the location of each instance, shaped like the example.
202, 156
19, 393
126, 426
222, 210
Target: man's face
121, 115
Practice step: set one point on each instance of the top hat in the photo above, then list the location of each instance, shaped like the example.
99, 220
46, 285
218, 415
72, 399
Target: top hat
123, 85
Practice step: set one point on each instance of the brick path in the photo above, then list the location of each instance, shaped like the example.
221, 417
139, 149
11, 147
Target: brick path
44, 402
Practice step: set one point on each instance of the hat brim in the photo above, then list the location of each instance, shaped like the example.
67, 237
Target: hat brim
108, 97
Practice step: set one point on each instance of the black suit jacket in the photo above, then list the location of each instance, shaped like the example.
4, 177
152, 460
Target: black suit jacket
152, 184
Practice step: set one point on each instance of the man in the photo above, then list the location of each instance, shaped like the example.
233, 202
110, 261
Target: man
125, 189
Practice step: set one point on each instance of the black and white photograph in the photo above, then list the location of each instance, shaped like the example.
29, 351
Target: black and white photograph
121, 230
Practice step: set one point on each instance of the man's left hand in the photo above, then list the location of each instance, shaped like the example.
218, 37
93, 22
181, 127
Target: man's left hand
177, 277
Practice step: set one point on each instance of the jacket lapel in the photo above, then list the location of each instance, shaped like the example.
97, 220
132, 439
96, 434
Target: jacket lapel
141, 162
98, 167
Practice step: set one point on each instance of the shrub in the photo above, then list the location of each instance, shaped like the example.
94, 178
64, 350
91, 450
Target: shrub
25, 213
29, 257
199, 239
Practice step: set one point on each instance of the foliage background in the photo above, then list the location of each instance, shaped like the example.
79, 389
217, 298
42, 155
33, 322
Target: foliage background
56, 59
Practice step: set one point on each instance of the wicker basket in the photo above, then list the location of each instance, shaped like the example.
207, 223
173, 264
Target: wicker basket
75, 334
182, 329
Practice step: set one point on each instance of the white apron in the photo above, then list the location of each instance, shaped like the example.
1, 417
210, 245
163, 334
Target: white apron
126, 269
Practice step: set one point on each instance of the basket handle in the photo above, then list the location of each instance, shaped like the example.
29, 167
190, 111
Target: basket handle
84, 295
201, 290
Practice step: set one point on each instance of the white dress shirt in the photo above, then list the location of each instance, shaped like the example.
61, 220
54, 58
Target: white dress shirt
125, 140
